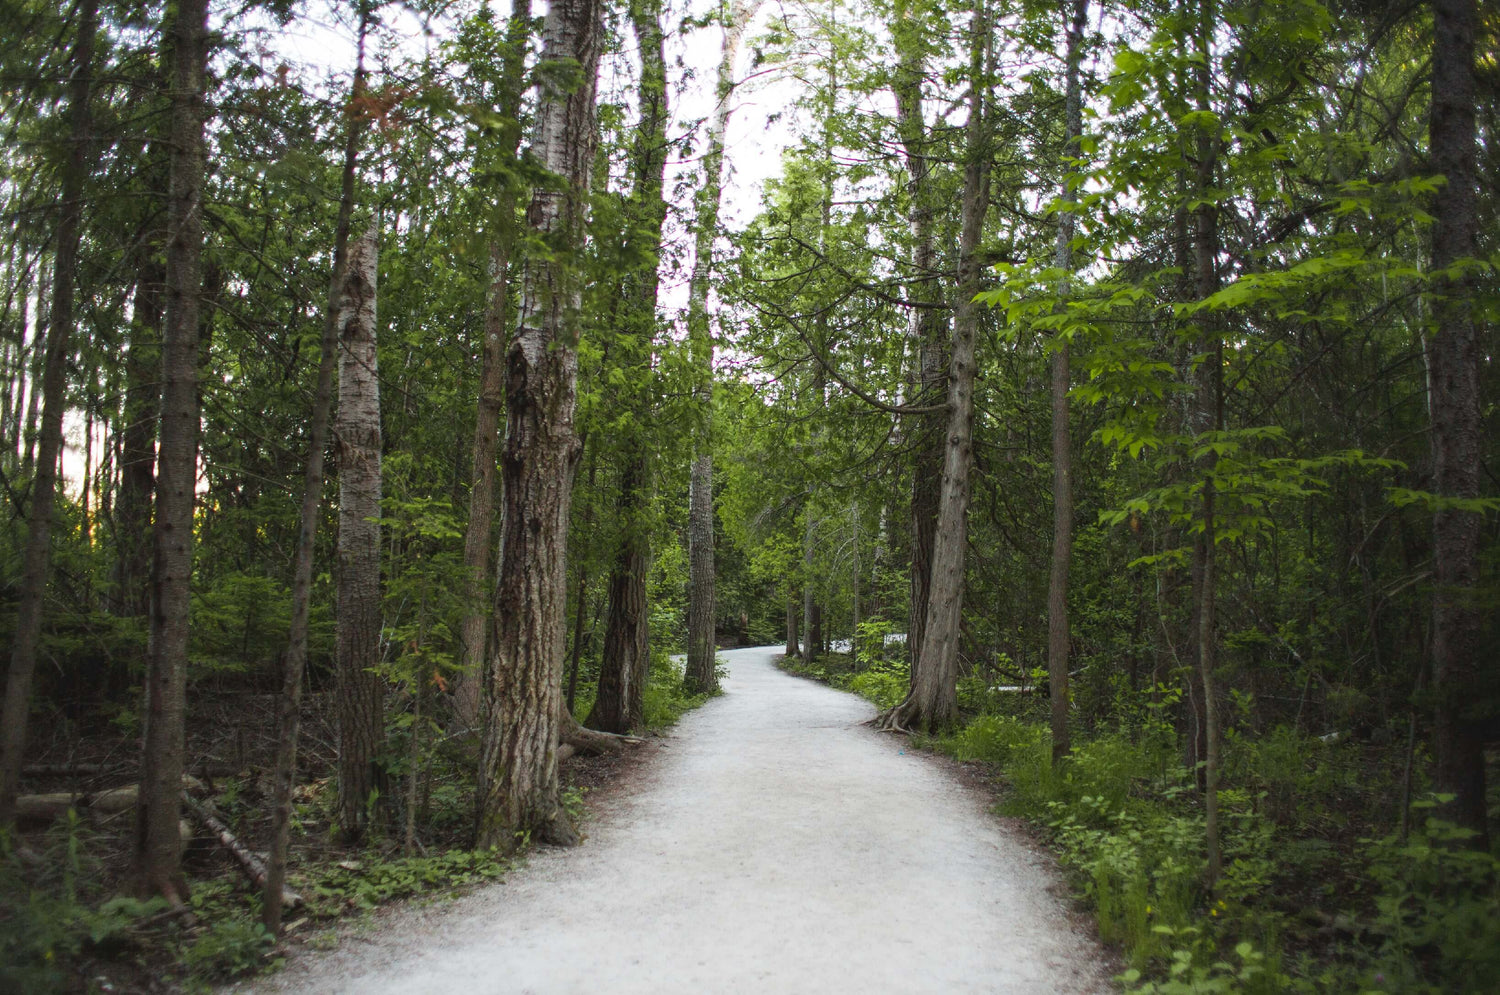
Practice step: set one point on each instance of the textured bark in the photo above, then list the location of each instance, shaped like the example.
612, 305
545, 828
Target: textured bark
518, 782
810, 645
12, 404
284, 774
932, 703
927, 325
1058, 634
792, 647
35, 379
158, 844
357, 434
620, 703
700, 676
1463, 689
138, 442
38, 552
702, 645
1210, 418
479, 535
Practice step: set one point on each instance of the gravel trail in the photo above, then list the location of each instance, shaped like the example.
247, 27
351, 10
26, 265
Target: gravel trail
774, 844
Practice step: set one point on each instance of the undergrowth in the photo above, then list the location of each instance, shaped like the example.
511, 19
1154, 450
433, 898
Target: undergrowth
1317, 895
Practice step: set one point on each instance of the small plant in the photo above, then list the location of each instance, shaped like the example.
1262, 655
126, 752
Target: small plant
228, 947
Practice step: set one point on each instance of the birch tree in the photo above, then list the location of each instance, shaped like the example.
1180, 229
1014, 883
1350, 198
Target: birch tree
360, 690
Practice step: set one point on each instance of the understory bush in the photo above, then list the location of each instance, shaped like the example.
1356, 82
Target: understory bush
665, 701
1420, 916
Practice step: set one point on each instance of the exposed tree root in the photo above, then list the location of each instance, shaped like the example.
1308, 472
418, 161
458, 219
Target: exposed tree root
591, 742
558, 830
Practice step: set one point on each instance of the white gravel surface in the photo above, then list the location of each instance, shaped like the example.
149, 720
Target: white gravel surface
773, 844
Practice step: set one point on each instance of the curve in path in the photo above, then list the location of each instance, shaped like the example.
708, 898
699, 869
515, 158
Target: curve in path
775, 845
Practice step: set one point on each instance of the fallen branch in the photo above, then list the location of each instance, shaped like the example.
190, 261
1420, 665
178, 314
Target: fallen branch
252, 865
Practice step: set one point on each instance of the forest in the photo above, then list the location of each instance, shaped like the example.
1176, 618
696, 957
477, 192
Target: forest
395, 423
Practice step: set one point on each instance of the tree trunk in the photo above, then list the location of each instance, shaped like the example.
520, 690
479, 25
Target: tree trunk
38, 553
1058, 634
620, 703
1463, 691
138, 442
700, 677
357, 434
37, 377
927, 326
158, 845
792, 649
479, 536
810, 647
518, 783
932, 703
284, 774
1210, 419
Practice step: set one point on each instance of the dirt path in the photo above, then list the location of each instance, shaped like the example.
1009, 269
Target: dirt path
773, 845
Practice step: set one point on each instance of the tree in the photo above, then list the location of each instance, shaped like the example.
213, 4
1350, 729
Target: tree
700, 675
357, 431
295, 662
619, 701
929, 318
479, 536
1058, 634
518, 784
932, 703
158, 845
38, 554
1465, 692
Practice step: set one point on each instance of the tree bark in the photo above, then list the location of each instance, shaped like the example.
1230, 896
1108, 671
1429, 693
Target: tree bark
158, 844
1463, 690
138, 442
357, 432
699, 677
1058, 633
619, 705
38, 553
1210, 419
927, 324
932, 703
792, 647
519, 790
284, 774
479, 535
810, 643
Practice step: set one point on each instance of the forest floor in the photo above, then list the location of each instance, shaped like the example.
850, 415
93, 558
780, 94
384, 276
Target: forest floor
772, 843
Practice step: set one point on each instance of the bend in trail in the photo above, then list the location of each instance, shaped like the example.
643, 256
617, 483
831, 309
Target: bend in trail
774, 844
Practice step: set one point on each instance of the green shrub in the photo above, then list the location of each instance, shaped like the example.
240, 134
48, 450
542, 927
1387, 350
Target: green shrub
993, 739
231, 945
665, 701
1438, 911
885, 683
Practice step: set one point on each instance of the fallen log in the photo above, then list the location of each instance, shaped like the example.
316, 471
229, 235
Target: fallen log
36, 809
71, 770
250, 863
